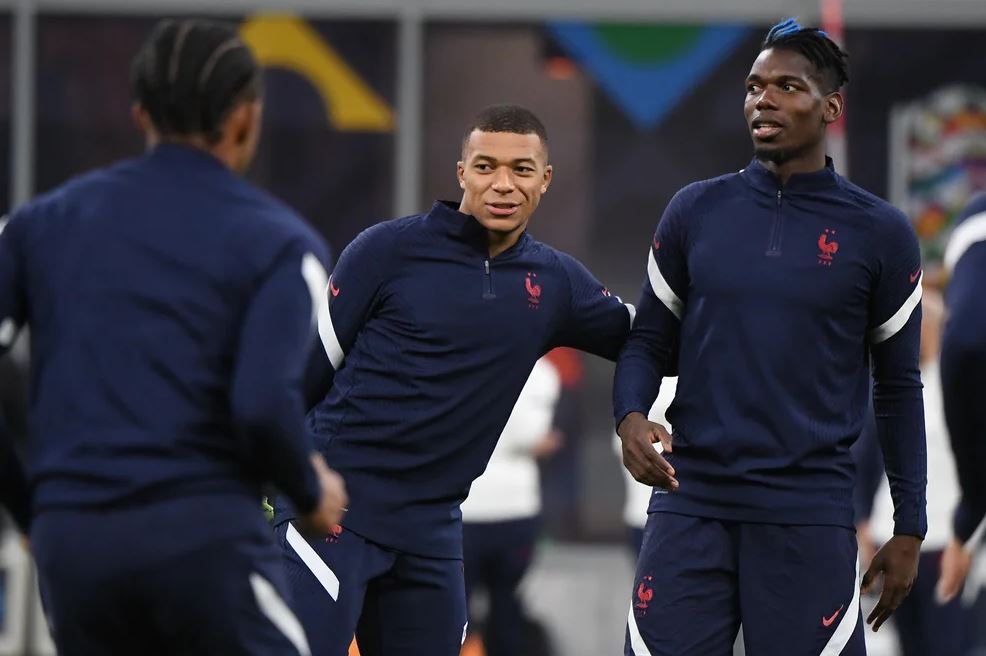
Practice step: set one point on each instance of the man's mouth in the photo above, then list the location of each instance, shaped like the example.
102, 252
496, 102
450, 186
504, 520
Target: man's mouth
502, 209
766, 129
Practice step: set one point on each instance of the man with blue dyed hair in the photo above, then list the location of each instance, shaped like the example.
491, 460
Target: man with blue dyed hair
773, 290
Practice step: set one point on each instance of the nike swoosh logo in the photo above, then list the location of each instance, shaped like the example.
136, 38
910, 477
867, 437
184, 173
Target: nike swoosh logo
335, 290
914, 276
827, 621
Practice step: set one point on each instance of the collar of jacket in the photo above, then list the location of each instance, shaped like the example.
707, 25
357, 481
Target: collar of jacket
466, 229
184, 155
763, 179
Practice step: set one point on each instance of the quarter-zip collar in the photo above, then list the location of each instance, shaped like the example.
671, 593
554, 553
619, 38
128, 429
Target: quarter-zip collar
466, 229
763, 179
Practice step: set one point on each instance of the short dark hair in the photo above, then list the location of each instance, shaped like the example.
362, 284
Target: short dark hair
507, 118
190, 74
831, 61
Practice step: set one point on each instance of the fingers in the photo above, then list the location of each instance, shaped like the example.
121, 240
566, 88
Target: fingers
661, 434
879, 615
893, 595
954, 569
947, 588
335, 491
333, 500
647, 465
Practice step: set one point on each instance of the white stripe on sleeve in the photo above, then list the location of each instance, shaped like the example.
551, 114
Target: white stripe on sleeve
892, 326
633, 312
317, 280
661, 287
318, 286
969, 232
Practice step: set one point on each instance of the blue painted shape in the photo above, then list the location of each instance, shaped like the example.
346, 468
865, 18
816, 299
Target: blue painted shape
647, 92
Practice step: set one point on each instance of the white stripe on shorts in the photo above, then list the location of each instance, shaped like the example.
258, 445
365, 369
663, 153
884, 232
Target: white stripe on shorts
637, 643
313, 562
273, 606
847, 625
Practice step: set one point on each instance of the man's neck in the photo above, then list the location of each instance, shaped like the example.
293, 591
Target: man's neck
808, 163
219, 151
501, 241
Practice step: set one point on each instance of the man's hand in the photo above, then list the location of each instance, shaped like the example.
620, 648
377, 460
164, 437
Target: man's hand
897, 560
955, 564
639, 455
331, 505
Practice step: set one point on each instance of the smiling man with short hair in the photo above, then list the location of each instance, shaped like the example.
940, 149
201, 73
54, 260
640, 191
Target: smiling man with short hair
433, 325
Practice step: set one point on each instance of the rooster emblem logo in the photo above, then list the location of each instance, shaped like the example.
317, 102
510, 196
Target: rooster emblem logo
533, 290
827, 248
644, 595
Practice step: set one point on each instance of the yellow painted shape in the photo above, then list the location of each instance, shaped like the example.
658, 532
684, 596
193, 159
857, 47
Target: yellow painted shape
283, 41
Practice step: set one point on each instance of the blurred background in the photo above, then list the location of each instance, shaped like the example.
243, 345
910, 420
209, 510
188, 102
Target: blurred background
365, 107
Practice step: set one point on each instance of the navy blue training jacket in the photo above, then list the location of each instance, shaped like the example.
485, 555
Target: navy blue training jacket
171, 312
963, 362
775, 303
431, 341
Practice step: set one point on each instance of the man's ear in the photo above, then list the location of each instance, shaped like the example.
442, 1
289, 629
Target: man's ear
835, 104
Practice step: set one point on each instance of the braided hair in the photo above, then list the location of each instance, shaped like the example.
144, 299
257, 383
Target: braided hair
190, 74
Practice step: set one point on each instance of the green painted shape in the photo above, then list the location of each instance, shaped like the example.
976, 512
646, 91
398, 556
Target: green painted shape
647, 44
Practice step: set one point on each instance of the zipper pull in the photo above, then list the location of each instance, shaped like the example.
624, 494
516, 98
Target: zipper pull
486, 263
779, 196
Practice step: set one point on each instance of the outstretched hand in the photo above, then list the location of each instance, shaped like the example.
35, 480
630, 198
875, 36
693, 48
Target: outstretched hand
641, 459
897, 560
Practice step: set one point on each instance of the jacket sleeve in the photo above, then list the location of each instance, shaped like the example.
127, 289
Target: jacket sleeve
895, 336
344, 305
651, 351
963, 363
597, 322
266, 395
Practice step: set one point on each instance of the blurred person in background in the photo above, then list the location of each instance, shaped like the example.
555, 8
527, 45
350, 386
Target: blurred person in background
501, 517
963, 378
924, 625
772, 288
14, 490
637, 494
171, 307
434, 324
